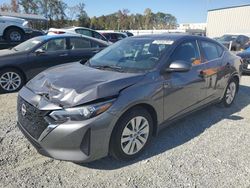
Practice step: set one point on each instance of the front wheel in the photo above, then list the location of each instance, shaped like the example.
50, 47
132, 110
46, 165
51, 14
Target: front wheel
14, 35
131, 134
230, 93
11, 80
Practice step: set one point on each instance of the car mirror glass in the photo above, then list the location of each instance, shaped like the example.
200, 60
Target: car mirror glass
39, 51
179, 66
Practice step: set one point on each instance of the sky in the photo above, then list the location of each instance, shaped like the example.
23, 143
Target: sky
186, 11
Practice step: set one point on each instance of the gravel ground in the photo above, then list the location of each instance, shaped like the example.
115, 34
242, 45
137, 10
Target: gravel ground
207, 149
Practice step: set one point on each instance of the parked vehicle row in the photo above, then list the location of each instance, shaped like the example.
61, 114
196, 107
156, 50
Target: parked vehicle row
245, 55
78, 30
21, 63
237, 42
125, 94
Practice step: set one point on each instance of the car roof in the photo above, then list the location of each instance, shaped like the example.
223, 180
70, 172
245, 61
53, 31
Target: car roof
48, 37
170, 36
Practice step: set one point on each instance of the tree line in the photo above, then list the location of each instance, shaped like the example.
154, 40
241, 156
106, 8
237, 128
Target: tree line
59, 14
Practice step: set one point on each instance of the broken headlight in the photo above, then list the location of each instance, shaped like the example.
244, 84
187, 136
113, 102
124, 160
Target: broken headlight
80, 113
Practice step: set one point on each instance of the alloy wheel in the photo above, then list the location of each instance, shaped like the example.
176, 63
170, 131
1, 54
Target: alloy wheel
230, 93
10, 81
135, 135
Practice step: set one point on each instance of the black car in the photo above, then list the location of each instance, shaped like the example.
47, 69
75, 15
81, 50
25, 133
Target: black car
23, 62
238, 41
245, 55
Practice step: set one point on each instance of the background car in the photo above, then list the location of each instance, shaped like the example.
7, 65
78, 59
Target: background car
14, 29
78, 30
114, 36
23, 62
245, 55
239, 42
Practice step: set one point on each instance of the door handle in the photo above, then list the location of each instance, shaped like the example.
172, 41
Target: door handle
96, 51
63, 55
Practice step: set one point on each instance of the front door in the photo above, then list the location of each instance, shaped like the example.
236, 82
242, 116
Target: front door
53, 52
184, 91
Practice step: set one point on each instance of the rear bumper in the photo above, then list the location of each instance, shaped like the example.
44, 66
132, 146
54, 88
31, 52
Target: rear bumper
76, 141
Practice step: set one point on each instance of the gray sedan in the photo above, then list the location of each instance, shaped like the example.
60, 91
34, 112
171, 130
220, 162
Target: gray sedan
124, 95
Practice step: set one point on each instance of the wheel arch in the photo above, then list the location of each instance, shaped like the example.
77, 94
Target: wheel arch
15, 68
12, 27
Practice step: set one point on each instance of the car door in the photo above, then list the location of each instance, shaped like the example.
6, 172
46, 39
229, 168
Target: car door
82, 49
53, 52
216, 65
184, 91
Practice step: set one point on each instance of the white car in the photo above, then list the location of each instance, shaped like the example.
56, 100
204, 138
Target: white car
14, 29
78, 31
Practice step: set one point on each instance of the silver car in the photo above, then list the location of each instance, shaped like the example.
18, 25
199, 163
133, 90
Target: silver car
124, 95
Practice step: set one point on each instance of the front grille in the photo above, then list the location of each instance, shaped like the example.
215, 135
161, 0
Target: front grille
33, 121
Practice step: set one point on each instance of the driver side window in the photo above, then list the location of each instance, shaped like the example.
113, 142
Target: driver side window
187, 51
54, 45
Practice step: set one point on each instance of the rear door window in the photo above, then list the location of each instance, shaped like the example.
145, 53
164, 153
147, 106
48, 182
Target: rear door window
211, 50
187, 51
79, 43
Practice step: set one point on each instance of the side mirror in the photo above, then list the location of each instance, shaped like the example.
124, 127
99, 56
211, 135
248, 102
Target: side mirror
39, 51
179, 66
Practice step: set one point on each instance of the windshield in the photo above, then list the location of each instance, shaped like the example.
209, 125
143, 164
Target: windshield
132, 54
27, 45
228, 38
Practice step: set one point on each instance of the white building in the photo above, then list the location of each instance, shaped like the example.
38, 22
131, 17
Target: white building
230, 20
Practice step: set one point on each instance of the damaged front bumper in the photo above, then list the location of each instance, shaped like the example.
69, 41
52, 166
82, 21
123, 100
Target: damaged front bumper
79, 141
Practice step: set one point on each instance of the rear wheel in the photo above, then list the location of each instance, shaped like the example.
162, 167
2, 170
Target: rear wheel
11, 80
131, 134
230, 93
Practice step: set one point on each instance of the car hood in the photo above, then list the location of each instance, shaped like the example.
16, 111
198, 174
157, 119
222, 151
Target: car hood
8, 53
75, 84
13, 19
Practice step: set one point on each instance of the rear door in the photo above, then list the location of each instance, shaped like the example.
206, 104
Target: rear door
184, 91
83, 49
214, 74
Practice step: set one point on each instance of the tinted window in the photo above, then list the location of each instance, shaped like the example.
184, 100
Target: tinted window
79, 43
188, 52
55, 45
84, 32
211, 50
98, 36
120, 36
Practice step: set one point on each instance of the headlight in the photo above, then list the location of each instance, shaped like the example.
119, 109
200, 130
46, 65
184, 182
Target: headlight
80, 113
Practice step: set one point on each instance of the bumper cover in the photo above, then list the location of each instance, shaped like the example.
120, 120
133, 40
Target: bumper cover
78, 141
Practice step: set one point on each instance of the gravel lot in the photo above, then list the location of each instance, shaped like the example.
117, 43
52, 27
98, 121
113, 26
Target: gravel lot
207, 149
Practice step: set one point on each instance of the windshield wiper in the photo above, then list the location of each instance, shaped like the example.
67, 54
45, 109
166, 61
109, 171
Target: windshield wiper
111, 67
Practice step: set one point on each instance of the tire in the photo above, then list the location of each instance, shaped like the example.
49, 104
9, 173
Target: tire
11, 80
133, 143
230, 93
14, 35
